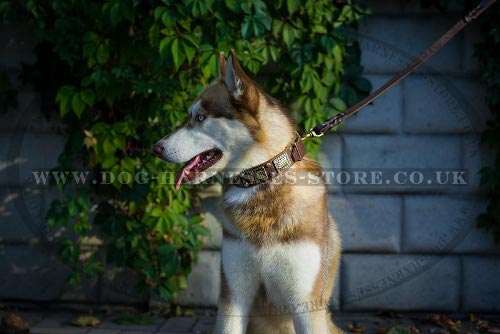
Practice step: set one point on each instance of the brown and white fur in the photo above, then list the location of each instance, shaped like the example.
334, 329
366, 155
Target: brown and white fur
281, 249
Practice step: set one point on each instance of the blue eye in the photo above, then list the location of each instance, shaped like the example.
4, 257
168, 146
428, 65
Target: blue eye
200, 118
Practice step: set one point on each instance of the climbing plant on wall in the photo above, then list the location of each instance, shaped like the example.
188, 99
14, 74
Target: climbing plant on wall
488, 54
122, 74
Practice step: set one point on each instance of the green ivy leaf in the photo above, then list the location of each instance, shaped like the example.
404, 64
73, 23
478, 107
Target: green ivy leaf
288, 35
177, 54
168, 18
165, 249
162, 226
64, 97
74, 279
292, 5
128, 164
158, 13
189, 51
191, 40
103, 53
363, 85
165, 46
77, 104
338, 104
108, 147
116, 14
90, 41
127, 10
88, 96
245, 27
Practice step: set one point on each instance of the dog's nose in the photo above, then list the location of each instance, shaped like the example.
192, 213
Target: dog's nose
157, 149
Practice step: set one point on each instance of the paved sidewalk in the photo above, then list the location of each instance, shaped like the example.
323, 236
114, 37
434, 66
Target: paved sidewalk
385, 323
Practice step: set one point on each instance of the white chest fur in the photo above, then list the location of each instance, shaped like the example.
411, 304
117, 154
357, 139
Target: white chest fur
287, 271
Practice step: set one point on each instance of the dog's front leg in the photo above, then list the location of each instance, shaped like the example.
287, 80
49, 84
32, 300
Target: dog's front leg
240, 283
289, 274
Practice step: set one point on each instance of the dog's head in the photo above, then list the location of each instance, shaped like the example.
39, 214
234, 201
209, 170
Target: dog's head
224, 122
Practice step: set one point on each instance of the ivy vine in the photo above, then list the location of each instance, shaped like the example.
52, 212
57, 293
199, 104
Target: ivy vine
122, 74
488, 53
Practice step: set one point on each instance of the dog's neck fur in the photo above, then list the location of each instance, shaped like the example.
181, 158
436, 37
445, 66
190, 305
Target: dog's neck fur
276, 132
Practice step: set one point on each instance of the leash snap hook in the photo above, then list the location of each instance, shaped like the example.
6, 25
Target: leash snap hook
317, 131
312, 134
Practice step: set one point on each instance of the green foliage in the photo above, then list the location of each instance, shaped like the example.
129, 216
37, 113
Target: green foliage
125, 73
488, 53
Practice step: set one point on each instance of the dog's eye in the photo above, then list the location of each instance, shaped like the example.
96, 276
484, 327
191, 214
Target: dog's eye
200, 118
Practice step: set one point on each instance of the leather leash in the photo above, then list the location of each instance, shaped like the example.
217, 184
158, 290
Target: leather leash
296, 151
320, 129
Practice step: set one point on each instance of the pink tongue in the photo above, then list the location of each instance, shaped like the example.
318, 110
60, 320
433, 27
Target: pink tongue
184, 171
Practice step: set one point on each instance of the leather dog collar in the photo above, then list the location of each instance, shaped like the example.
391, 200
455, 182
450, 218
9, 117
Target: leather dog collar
272, 167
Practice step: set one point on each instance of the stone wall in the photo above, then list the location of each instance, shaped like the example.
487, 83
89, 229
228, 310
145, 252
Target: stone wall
406, 247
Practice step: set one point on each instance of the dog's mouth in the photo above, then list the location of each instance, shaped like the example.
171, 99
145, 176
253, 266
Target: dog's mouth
194, 167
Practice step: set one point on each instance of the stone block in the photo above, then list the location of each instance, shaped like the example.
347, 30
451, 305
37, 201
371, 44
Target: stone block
472, 36
204, 325
213, 221
481, 287
203, 282
23, 216
27, 116
17, 43
414, 7
34, 272
23, 153
368, 223
391, 7
330, 154
402, 152
382, 116
445, 224
111, 324
330, 158
178, 324
388, 44
400, 282
56, 320
23, 212
382, 164
117, 286
104, 331
442, 105
476, 156
37, 330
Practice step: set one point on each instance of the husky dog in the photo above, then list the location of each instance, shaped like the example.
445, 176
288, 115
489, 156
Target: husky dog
280, 249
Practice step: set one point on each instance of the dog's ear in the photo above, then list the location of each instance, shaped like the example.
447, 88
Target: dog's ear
237, 82
222, 65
